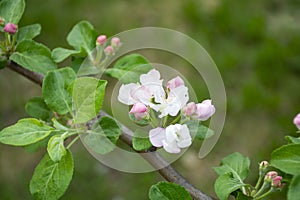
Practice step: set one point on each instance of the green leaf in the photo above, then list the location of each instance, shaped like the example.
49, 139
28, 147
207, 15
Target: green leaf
25, 131
140, 140
226, 184
56, 148
168, 191
88, 95
33, 56
51, 179
55, 89
12, 10
241, 196
294, 189
236, 164
293, 140
59, 54
287, 159
40, 144
103, 139
129, 68
200, 131
28, 32
37, 108
83, 36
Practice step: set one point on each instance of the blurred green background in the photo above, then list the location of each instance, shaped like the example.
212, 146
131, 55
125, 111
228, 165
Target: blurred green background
255, 44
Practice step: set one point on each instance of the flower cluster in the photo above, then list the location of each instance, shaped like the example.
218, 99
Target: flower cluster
150, 96
8, 27
115, 44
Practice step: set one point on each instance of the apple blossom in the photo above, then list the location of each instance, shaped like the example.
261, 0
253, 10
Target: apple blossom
175, 101
177, 137
174, 83
10, 28
139, 110
297, 121
172, 139
157, 136
205, 110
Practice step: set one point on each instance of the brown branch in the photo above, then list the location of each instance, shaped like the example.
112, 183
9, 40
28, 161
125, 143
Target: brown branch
168, 172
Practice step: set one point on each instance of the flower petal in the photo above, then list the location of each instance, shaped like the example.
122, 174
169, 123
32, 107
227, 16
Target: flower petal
171, 147
125, 93
157, 136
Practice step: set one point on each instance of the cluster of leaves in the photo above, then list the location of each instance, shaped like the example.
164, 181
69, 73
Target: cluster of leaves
235, 168
69, 101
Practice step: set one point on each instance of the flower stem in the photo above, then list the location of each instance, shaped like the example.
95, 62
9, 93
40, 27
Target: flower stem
165, 121
264, 195
261, 190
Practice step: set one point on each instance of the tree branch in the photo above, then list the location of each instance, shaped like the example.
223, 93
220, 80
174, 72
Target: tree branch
168, 172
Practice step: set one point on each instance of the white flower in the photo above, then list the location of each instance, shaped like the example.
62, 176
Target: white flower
205, 110
150, 87
172, 139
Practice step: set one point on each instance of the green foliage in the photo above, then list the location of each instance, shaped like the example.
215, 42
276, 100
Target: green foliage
33, 56
287, 159
28, 32
292, 139
129, 68
51, 179
24, 132
236, 164
56, 148
12, 10
88, 95
104, 137
140, 140
59, 54
294, 189
168, 191
226, 184
56, 90
37, 108
200, 131
83, 36
232, 171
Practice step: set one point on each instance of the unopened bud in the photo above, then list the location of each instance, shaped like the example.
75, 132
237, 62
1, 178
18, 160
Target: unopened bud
263, 165
276, 182
190, 109
115, 42
139, 110
297, 121
205, 110
109, 50
101, 39
270, 176
10, 28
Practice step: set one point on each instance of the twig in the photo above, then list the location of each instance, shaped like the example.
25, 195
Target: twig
168, 172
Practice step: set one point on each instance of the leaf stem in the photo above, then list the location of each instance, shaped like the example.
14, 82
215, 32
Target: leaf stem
264, 195
73, 141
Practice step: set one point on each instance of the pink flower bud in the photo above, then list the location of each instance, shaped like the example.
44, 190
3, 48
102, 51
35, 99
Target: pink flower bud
139, 110
205, 110
277, 182
297, 121
109, 50
174, 83
190, 109
270, 176
10, 28
115, 42
101, 39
